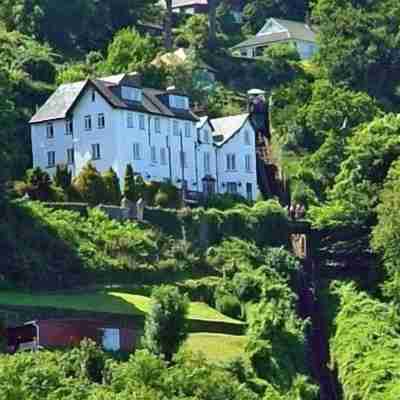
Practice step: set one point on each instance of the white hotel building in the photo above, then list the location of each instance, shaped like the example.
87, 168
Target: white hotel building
114, 121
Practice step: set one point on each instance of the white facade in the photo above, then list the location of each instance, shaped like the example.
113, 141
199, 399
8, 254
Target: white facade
159, 147
236, 159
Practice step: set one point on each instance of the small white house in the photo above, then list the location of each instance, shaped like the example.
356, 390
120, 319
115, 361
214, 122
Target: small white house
114, 121
275, 30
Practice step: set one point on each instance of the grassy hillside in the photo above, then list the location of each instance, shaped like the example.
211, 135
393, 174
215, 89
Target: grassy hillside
216, 347
107, 302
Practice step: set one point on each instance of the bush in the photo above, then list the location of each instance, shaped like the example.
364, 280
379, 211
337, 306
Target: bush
112, 187
90, 185
229, 305
167, 196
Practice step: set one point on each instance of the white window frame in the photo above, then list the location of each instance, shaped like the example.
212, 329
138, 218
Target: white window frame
136, 151
163, 156
188, 129
142, 122
153, 154
50, 130
207, 162
101, 121
129, 119
247, 140
70, 156
96, 153
88, 122
248, 162
157, 124
51, 159
69, 126
231, 162
183, 159
175, 127
230, 186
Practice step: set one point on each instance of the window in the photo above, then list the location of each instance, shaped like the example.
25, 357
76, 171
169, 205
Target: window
247, 137
249, 191
153, 154
231, 187
96, 151
141, 122
175, 127
50, 130
93, 96
247, 162
187, 129
129, 119
69, 127
183, 159
157, 124
131, 94
136, 151
88, 123
70, 156
180, 102
51, 159
100, 121
163, 156
207, 163
231, 162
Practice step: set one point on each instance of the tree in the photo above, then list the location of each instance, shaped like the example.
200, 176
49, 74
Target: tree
212, 20
194, 33
168, 25
63, 176
130, 191
165, 328
90, 185
129, 51
112, 186
359, 44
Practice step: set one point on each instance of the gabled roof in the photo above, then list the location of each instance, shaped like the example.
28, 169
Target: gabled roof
227, 127
291, 30
62, 101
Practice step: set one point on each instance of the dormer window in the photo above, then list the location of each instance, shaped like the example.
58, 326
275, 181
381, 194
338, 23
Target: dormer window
131, 94
180, 102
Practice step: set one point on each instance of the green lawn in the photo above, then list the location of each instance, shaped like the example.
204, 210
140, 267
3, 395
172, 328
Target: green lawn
104, 301
216, 347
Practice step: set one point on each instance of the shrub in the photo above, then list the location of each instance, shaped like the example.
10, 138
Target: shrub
229, 305
38, 184
167, 196
130, 192
165, 327
112, 186
63, 177
90, 185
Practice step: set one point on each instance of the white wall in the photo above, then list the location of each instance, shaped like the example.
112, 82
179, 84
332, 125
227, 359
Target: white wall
41, 144
204, 148
237, 146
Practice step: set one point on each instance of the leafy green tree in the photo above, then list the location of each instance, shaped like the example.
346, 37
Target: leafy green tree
193, 33
165, 327
112, 186
370, 153
385, 233
63, 176
90, 185
359, 44
130, 191
129, 51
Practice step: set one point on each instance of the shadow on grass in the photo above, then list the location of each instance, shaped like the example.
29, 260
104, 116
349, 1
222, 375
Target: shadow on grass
33, 255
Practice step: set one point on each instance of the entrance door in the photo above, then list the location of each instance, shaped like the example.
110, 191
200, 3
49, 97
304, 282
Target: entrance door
111, 339
249, 191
